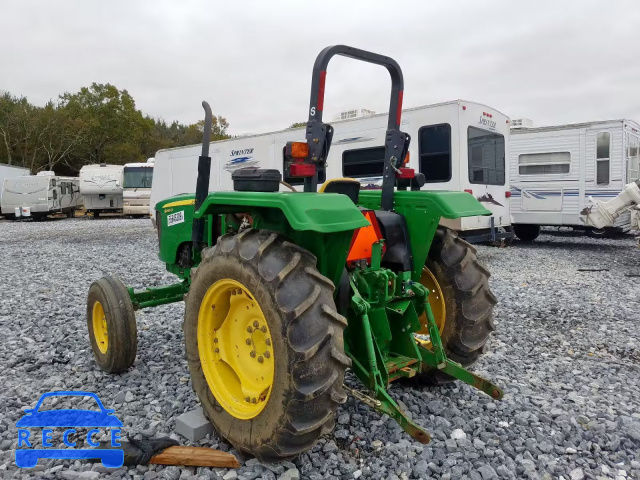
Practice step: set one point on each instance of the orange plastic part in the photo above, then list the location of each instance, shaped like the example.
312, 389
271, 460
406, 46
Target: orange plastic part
364, 238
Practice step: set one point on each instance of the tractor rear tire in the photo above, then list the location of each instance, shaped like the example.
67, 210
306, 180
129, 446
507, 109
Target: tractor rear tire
306, 338
111, 321
464, 284
526, 232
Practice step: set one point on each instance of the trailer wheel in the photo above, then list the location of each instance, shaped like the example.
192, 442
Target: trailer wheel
265, 344
460, 299
112, 325
599, 232
526, 232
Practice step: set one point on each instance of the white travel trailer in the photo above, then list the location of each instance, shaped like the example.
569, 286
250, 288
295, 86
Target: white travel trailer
555, 170
137, 188
8, 171
458, 145
37, 196
101, 188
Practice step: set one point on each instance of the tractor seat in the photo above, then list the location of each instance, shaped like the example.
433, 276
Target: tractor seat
346, 186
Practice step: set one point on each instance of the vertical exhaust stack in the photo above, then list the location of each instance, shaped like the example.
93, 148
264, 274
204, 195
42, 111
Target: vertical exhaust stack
202, 183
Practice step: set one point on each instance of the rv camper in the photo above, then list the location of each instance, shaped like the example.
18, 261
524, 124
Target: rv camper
101, 188
458, 145
137, 188
556, 170
8, 171
36, 196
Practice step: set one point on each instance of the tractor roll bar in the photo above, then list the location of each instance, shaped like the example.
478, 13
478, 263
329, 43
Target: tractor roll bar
319, 135
320, 73
202, 183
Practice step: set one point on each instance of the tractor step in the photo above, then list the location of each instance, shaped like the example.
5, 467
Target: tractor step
400, 367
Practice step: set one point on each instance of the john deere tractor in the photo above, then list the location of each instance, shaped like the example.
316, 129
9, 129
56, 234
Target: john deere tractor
285, 291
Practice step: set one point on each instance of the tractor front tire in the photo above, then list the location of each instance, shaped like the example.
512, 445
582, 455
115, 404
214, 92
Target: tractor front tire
468, 302
111, 322
252, 282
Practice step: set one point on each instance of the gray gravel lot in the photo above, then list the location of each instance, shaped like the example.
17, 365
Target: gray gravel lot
566, 351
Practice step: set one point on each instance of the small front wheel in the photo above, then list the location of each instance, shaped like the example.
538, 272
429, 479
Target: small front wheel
112, 325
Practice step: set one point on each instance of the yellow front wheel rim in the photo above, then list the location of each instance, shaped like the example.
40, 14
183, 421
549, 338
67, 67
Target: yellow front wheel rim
235, 349
437, 303
100, 331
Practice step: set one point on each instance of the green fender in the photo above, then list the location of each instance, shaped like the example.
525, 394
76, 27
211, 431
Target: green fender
317, 212
442, 203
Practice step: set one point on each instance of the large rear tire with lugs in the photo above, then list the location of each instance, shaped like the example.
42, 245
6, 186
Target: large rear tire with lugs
460, 299
265, 344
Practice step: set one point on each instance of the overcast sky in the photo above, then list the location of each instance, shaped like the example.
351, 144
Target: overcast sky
551, 61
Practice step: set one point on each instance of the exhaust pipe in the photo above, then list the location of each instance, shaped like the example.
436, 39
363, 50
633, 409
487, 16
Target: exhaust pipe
202, 183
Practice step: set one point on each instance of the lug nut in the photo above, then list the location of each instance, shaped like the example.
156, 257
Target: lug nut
263, 328
267, 354
268, 342
247, 399
253, 354
215, 340
256, 324
260, 359
248, 341
216, 350
253, 400
249, 329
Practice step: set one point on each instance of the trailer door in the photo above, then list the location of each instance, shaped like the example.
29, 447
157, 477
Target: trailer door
633, 158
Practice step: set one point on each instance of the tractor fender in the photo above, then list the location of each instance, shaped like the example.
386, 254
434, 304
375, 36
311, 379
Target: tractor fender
315, 212
442, 203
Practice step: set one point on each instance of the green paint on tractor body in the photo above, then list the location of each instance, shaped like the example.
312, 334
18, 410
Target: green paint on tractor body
385, 308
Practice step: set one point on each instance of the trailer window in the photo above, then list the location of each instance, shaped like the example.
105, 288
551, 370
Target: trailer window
486, 157
322, 174
544, 163
434, 143
363, 162
603, 147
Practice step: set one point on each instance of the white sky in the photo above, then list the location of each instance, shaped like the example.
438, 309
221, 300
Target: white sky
552, 61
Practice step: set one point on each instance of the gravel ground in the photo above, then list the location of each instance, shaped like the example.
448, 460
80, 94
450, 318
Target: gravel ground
566, 351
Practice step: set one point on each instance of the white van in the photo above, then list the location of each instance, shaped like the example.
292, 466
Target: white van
136, 190
36, 196
458, 145
101, 188
554, 171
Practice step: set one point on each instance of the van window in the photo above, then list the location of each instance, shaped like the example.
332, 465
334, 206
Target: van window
603, 147
434, 143
322, 173
363, 162
544, 163
486, 157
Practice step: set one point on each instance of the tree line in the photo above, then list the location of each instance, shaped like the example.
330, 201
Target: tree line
98, 124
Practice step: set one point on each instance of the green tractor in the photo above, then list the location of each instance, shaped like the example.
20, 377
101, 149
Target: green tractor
286, 290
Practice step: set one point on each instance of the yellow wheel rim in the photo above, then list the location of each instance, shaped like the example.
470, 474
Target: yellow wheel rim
235, 348
437, 303
100, 331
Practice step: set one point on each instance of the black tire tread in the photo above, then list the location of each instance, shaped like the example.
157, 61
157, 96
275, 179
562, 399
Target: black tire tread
121, 325
316, 368
465, 281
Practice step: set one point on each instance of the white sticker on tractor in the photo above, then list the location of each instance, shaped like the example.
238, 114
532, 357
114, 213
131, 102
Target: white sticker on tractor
175, 218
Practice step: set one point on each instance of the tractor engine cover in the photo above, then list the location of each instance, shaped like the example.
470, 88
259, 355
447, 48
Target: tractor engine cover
252, 179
